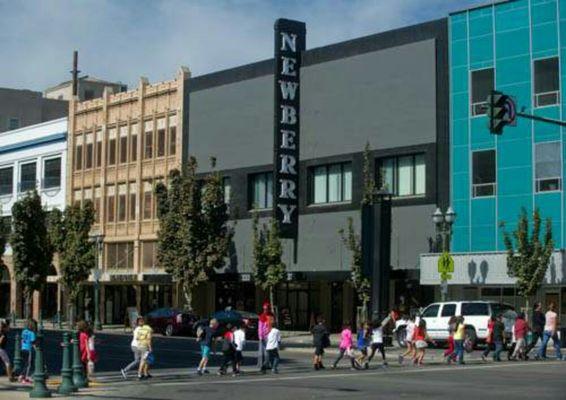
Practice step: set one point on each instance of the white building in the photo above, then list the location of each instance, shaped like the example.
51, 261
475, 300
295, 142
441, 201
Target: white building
33, 157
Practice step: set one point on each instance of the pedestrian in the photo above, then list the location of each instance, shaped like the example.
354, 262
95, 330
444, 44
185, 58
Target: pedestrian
520, 330
489, 346
498, 338
135, 350
377, 342
29, 339
409, 336
208, 335
459, 337
421, 342
240, 342
272, 347
4, 328
228, 351
363, 336
539, 321
321, 340
550, 332
85, 346
262, 332
450, 353
144, 338
345, 346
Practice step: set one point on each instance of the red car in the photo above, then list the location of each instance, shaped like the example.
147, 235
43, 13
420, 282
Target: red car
171, 321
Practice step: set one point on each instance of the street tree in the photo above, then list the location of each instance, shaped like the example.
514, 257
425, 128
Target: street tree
360, 282
32, 251
69, 234
194, 235
369, 181
528, 256
4, 236
269, 269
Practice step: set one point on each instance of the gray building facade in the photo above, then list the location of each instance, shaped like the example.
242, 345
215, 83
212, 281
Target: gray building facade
389, 90
19, 108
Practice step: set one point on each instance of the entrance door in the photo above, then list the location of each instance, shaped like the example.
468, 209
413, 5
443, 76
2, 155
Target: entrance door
336, 306
4, 292
118, 299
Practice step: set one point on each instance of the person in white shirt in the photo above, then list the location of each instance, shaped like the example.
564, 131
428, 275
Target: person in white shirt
550, 332
377, 342
137, 352
272, 348
410, 332
240, 342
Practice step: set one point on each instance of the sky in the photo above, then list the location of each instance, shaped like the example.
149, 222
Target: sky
121, 40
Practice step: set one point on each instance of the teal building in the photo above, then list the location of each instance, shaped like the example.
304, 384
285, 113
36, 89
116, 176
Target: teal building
519, 48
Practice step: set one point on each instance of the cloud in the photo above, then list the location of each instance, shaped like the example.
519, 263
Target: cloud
123, 40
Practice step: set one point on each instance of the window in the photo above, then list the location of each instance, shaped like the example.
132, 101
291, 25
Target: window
148, 144
448, 310
431, 311
261, 191
89, 94
98, 148
27, 177
161, 143
122, 203
227, 187
52, 173
149, 255
6, 181
548, 173
474, 309
78, 157
172, 140
482, 85
133, 148
13, 123
331, 183
89, 155
483, 173
547, 82
111, 151
110, 200
403, 176
120, 255
147, 200
123, 145
97, 205
132, 206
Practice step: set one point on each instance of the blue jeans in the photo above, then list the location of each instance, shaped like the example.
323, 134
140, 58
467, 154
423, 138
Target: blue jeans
459, 350
545, 339
498, 350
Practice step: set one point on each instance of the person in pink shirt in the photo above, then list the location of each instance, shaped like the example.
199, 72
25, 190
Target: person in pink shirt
520, 329
263, 328
345, 347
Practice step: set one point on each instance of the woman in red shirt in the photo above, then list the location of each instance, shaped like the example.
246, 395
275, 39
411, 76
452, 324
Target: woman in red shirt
421, 340
489, 338
85, 347
521, 328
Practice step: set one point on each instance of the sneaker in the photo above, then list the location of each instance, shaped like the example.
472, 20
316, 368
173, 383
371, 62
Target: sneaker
366, 365
141, 377
220, 373
275, 371
333, 366
483, 358
199, 372
149, 376
321, 366
124, 375
400, 359
206, 371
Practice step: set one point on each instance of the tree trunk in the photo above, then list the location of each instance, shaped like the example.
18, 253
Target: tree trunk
188, 295
527, 308
28, 304
71, 314
271, 301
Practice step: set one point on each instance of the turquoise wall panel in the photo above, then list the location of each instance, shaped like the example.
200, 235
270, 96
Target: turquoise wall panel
545, 132
460, 105
514, 71
483, 238
481, 26
507, 18
545, 39
515, 153
460, 133
514, 181
461, 186
543, 12
460, 160
512, 43
549, 207
481, 138
459, 53
459, 79
481, 51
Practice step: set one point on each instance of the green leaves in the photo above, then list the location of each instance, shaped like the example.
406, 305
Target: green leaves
32, 252
369, 182
360, 282
194, 235
269, 270
69, 234
528, 256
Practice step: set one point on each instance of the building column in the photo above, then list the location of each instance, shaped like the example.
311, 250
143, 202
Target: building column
325, 299
13, 296
138, 290
36, 304
102, 305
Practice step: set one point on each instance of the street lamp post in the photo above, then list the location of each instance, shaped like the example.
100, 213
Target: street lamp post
96, 274
443, 223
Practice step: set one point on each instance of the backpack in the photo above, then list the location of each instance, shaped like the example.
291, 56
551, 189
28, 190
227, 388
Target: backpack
200, 333
227, 346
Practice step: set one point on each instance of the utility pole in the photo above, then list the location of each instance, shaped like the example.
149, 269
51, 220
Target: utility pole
75, 72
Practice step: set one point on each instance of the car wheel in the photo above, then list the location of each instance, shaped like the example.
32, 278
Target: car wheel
401, 336
471, 339
169, 330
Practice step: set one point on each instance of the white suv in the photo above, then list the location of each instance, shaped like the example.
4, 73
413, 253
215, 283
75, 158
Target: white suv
476, 317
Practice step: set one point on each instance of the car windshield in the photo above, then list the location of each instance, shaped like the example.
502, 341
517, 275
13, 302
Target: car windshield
431, 311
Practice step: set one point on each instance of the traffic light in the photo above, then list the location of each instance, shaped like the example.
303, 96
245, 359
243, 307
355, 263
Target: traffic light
500, 111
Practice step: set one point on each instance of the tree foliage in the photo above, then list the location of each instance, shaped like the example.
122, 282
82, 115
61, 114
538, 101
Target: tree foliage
69, 234
4, 236
360, 282
269, 269
194, 236
32, 252
527, 256
369, 181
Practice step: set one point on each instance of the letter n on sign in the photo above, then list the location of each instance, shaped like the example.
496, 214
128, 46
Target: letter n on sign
289, 45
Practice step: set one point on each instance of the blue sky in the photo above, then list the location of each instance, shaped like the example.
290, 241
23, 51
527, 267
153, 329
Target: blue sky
124, 39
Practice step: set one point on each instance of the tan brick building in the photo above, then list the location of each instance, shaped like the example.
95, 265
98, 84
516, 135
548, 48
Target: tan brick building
119, 146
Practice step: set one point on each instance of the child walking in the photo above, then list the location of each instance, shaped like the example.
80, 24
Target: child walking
459, 337
228, 351
29, 338
377, 342
521, 328
345, 346
489, 339
409, 336
450, 354
421, 342
240, 342
362, 344
321, 340
272, 347
3, 354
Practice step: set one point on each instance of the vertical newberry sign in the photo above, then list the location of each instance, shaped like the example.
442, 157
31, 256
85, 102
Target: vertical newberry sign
289, 44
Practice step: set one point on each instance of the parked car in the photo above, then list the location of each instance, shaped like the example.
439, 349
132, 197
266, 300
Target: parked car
476, 317
172, 321
235, 318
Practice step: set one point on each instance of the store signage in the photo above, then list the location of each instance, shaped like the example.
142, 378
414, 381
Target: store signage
289, 44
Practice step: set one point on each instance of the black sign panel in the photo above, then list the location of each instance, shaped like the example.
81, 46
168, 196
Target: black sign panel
289, 44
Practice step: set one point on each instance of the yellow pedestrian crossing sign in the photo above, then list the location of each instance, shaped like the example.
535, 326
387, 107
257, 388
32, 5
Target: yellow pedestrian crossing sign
445, 266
